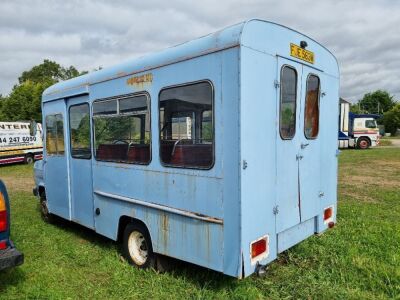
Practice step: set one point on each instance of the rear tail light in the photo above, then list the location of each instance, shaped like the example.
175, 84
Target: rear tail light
3, 213
259, 249
3, 245
328, 214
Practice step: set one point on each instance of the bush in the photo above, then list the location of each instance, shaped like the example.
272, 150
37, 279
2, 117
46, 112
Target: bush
391, 119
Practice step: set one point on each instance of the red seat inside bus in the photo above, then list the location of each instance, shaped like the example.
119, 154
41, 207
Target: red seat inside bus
112, 152
139, 153
187, 154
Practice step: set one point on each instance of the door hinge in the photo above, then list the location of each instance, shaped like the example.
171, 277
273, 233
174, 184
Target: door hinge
275, 210
277, 84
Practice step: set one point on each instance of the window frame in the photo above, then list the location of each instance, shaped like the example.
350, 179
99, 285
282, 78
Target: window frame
305, 106
70, 135
295, 103
166, 165
57, 153
117, 98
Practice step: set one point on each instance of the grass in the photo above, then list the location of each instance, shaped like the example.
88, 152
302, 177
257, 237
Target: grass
358, 259
385, 142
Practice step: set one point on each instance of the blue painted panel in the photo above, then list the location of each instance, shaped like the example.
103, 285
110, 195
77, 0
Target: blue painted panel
56, 175
295, 235
81, 181
329, 110
197, 191
258, 139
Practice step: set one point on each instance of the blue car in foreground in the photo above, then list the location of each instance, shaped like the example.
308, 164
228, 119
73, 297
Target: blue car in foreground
9, 255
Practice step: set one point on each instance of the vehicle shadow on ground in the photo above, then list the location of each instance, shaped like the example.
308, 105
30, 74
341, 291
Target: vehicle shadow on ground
202, 277
11, 277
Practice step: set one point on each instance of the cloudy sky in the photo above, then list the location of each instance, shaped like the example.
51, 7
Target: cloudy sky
363, 34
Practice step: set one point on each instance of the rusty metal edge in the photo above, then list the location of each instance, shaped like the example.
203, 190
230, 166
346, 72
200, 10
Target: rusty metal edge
176, 211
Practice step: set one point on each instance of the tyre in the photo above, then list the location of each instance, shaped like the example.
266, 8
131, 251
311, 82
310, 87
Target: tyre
363, 143
46, 215
137, 247
29, 159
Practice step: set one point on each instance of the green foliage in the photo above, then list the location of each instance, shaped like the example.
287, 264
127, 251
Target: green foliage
391, 119
24, 101
355, 108
49, 72
377, 102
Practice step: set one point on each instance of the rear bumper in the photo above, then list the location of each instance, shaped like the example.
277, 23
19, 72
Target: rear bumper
10, 258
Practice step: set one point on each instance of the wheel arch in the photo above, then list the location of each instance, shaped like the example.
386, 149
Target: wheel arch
124, 221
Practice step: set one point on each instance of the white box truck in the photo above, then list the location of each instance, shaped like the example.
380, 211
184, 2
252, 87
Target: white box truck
18, 143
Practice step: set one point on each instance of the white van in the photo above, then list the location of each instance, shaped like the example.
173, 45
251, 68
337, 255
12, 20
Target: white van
20, 144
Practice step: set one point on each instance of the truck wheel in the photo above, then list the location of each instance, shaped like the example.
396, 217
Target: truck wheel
29, 159
137, 247
46, 215
363, 143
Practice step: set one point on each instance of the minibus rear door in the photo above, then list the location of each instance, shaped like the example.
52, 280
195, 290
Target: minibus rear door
310, 175
288, 85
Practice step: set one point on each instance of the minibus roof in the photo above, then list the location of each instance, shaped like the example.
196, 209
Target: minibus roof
226, 38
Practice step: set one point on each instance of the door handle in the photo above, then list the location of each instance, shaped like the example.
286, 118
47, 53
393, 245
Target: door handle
303, 146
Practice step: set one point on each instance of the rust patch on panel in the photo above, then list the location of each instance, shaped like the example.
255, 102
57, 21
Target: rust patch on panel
140, 81
164, 230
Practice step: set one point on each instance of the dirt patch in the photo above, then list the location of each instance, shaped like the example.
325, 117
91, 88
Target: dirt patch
356, 195
18, 184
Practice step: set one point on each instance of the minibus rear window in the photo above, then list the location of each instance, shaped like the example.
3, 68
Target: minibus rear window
287, 115
79, 127
311, 112
54, 134
124, 135
186, 126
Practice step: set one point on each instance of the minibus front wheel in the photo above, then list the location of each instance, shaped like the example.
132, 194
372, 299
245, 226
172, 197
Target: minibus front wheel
137, 247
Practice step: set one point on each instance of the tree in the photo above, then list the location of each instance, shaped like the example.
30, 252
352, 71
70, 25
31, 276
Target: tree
24, 101
391, 119
49, 72
377, 102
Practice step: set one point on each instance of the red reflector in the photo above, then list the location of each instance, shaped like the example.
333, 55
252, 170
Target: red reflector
3, 220
331, 224
3, 245
328, 213
258, 248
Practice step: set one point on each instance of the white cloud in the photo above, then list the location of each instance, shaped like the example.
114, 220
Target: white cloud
363, 34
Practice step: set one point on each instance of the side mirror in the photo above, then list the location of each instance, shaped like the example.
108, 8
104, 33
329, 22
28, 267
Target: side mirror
32, 128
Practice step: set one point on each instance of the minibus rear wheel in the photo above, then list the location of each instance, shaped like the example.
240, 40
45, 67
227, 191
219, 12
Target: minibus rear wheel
137, 247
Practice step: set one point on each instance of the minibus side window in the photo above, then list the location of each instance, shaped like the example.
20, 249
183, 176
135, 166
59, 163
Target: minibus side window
54, 135
186, 126
287, 110
79, 128
122, 129
311, 113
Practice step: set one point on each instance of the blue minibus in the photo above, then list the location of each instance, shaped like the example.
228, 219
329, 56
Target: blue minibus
221, 151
